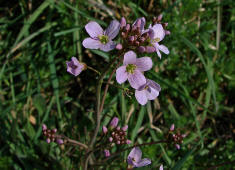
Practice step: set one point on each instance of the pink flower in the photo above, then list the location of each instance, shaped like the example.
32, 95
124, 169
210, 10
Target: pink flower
132, 69
74, 66
157, 34
100, 39
104, 129
106, 153
161, 167
149, 91
114, 122
134, 158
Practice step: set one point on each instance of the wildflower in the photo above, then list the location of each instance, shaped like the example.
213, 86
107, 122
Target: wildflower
149, 91
132, 69
114, 122
106, 153
161, 167
175, 138
134, 158
75, 67
157, 34
100, 39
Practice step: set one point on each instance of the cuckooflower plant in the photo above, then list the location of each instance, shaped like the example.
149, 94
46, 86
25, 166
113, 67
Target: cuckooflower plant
99, 38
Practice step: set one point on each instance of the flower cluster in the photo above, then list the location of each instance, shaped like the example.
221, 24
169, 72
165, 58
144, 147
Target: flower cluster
51, 135
144, 40
115, 135
175, 138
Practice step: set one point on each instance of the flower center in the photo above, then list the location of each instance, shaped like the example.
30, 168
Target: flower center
133, 159
130, 68
156, 40
72, 65
104, 39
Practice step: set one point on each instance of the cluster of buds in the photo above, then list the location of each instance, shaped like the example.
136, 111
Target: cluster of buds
51, 135
175, 138
135, 35
115, 134
157, 20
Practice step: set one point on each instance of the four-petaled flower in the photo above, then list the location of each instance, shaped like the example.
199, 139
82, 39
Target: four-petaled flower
148, 91
100, 39
132, 69
74, 66
134, 158
157, 33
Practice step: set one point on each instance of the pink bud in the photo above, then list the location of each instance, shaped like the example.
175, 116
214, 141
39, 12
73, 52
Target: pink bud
172, 127
150, 49
110, 139
177, 146
131, 38
138, 22
118, 128
44, 127
106, 153
184, 135
159, 18
141, 49
124, 128
119, 46
114, 122
59, 141
165, 24
48, 140
161, 167
123, 22
54, 130
128, 27
128, 141
118, 142
167, 32
105, 130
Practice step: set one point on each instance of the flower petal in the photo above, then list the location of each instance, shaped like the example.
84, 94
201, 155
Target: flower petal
154, 85
156, 45
161, 167
75, 61
108, 47
141, 96
136, 79
94, 29
135, 153
113, 29
129, 58
121, 74
152, 94
144, 63
158, 31
164, 49
143, 162
91, 43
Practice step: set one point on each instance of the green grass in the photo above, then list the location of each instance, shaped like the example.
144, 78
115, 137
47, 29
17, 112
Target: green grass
197, 81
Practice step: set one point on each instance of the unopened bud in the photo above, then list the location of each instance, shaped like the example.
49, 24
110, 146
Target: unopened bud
167, 32
44, 127
159, 18
59, 141
177, 146
114, 122
123, 22
172, 127
131, 38
128, 141
48, 140
150, 49
106, 153
110, 139
105, 130
124, 128
54, 130
119, 46
127, 28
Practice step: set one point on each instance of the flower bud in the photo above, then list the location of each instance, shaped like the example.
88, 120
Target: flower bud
159, 18
106, 153
44, 127
128, 141
138, 22
167, 32
150, 49
128, 27
172, 127
110, 139
59, 141
48, 140
105, 130
119, 46
118, 142
124, 128
184, 135
118, 128
177, 146
54, 130
114, 122
123, 22
131, 38
141, 49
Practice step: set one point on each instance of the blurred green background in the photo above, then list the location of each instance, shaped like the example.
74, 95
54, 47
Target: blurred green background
197, 80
